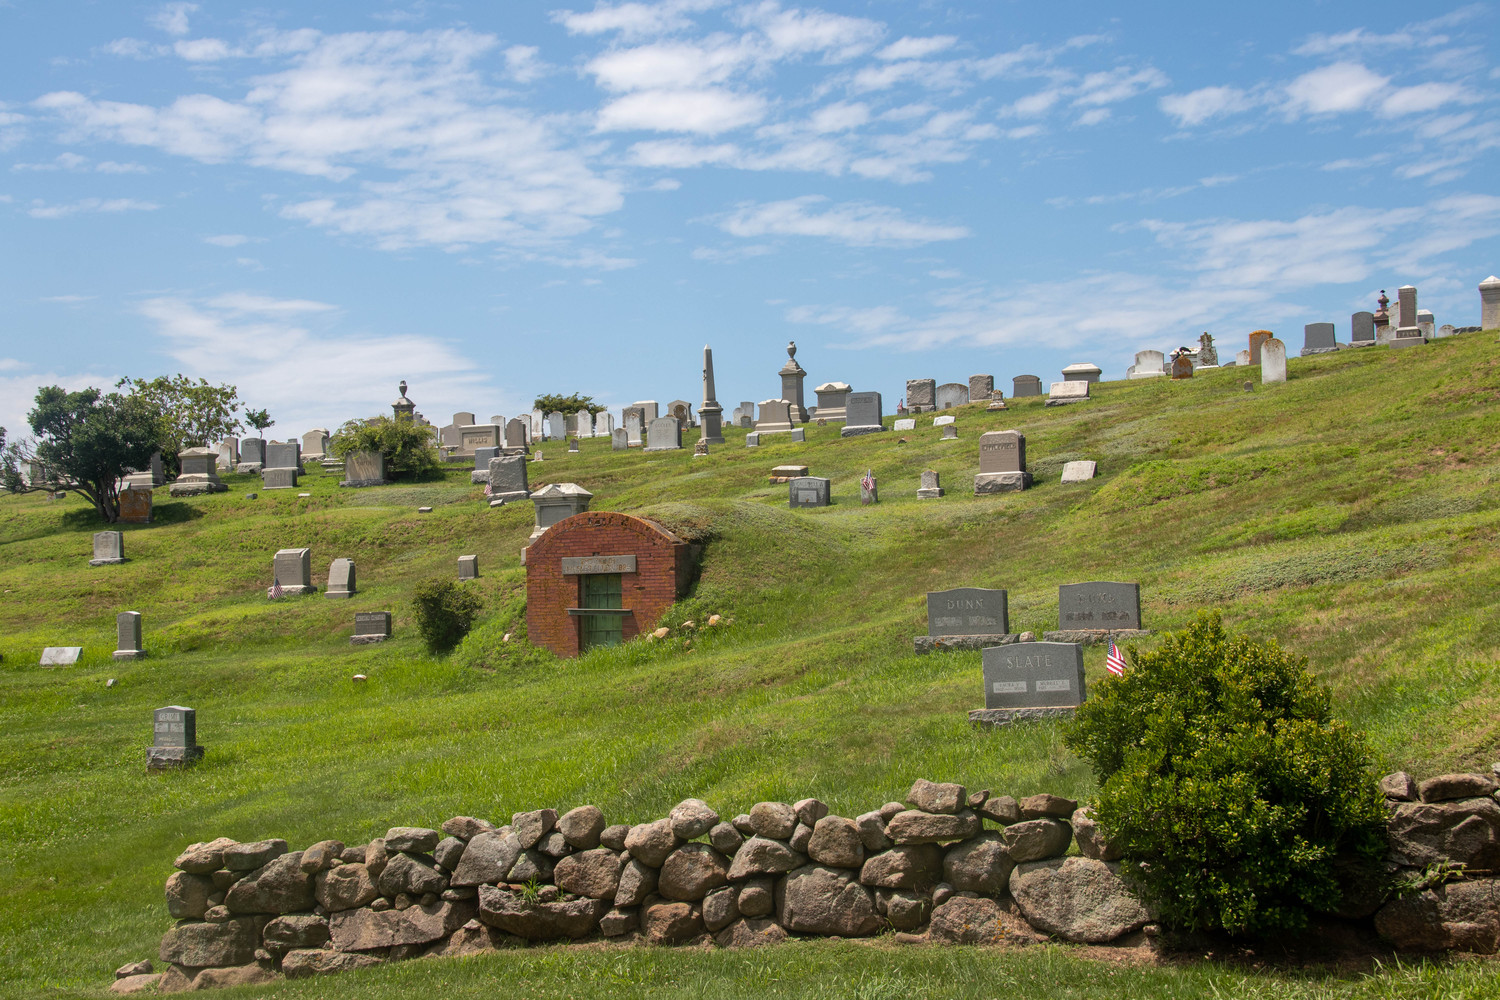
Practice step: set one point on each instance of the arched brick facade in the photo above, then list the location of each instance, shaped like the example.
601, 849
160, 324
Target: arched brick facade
662, 573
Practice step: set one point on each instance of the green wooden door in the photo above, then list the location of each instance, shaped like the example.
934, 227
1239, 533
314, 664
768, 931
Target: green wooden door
601, 590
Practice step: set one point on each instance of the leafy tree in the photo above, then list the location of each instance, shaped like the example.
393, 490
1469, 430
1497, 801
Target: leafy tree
1234, 793
193, 414
85, 442
406, 445
445, 612
567, 405
259, 419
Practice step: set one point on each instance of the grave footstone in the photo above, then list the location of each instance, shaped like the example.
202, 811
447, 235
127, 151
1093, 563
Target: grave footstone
508, 479
60, 656
931, 488
1148, 364
752, 440
341, 579
175, 738
809, 491
1362, 328
921, 395
1023, 386
128, 636
109, 546
664, 434
1272, 361
1002, 462
364, 468
468, 567
1078, 472
950, 432
370, 627
965, 618
981, 387
944, 420
1063, 393
951, 394
1030, 676
1318, 338
799, 434
700, 448
291, 571
905, 424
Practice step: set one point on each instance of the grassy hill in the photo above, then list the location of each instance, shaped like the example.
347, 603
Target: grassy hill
1350, 513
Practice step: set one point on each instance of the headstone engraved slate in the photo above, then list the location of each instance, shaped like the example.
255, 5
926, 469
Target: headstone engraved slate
370, 627
128, 636
1033, 675
109, 546
967, 611
863, 414
174, 738
809, 491
1099, 606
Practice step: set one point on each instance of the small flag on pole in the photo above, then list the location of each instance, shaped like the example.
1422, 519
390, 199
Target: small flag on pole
276, 591
487, 490
1115, 661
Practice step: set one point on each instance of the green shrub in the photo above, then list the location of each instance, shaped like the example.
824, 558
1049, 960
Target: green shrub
407, 446
445, 612
1228, 784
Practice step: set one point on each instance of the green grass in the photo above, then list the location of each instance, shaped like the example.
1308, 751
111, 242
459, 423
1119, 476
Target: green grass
1350, 513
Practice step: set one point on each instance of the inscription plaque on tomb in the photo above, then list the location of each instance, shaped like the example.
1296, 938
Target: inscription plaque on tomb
591, 565
1033, 675
1099, 606
967, 611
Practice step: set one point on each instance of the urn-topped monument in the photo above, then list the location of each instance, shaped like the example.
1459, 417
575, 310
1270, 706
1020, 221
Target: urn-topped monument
792, 376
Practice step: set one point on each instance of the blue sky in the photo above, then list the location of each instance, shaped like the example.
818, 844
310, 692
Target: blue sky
493, 201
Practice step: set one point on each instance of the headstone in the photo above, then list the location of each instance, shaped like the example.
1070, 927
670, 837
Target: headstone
555, 502
905, 424
997, 400
1362, 326
863, 414
833, 401
752, 440
468, 568
364, 468
1182, 366
109, 546
538, 428
980, 387
967, 611
1082, 372
284, 455
648, 409
1208, 355
1317, 338
341, 582
1258, 338
1426, 323
809, 491
799, 434
1099, 606
482, 456
278, 479
681, 411
128, 636
951, 394
292, 570
744, 414
1406, 307
150, 477
950, 432
573, 445
1025, 385
700, 448
1002, 462
618, 439
174, 743
1148, 364
315, 444
921, 395
792, 377
1078, 472
1033, 675
930, 489
516, 434
252, 454
786, 473
199, 475
371, 627
1063, 393
944, 420
1489, 303
604, 424
472, 437
775, 417
633, 427
135, 506
1447, 330
1272, 361
508, 479
1241, 359
664, 434
869, 489
227, 455
496, 418
60, 656
557, 426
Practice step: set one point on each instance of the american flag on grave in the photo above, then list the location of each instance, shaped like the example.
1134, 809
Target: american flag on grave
1115, 661
276, 591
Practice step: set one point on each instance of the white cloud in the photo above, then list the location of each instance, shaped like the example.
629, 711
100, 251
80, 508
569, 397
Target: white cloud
1116, 85
707, 111
18, 391
1423, 97
1094, 116
42, 210
917, 48
665, 65
134, 48
523, 64
1199, 106
850, 223
172, 17
67, 300
202, 49
796, 31
227, 240
633, 20
1342, 86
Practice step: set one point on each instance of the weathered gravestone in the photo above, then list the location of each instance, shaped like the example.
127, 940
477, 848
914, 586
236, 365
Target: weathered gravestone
664, 434
1078, 472
1097, 612
930, 488
1030, 680
1241, 359
1182, 366
557, 426
833, 401
468, 568
109, 546
1063, 393
1208, 354
752, 440
921, 395
1426, 323
1083, 371
175, 738
604, 424
619, 440
700, 448
1257, 338
199, 475
951, 394
315, 444
364, 468
291, 571
508, 479
965, 618
128, 636
1489, 303
516, 434
863, 414
944, 420
370, 627
775, 417
634, 425
1025, 385
1002, 462
227, 454
799, 434
1148, 364
60, 656
905, 424
1272, 361
252, 455
482, 456
981, 387
1362, 325
135, 506
1317, 338
573, 445
809, 491
341, 579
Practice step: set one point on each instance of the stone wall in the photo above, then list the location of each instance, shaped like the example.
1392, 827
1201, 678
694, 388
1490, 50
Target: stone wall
945, 866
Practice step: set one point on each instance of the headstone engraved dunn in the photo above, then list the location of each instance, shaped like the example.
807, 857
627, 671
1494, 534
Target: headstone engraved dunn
1099, 606
809, 491
1033, 675
370, 626
967, 611
175, 738
128, 636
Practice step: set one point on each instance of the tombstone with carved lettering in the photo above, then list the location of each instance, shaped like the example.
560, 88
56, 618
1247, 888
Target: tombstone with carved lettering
1002, 463
1097, 612
809, 491
1030, 680
175, 742
965, 618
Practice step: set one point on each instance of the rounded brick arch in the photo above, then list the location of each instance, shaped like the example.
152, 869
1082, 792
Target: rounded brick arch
662, 572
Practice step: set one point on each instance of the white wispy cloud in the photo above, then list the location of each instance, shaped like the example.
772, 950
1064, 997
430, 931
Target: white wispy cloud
42, 210
172, 18
850, 223
633, 20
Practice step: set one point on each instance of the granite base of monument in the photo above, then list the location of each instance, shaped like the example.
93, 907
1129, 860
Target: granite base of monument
850, 432
245, 467
129, 654
1308, 352
994, 718
112, 561
169, 758
1001, 482
196, 487
1094, 637
947, 643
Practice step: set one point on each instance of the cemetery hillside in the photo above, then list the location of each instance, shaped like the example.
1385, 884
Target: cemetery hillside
1350, 514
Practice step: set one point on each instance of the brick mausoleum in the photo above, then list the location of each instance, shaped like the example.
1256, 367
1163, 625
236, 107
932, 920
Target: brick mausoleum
600, 579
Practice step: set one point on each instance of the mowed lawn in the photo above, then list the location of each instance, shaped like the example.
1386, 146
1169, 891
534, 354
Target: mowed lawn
1350, 514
